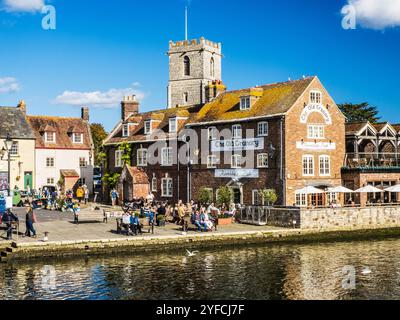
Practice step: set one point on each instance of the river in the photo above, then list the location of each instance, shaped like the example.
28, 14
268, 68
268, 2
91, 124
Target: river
269, 272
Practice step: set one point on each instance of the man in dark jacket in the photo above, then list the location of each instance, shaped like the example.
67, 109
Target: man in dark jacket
8, 218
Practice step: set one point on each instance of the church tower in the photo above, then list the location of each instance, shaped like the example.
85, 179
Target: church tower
193, 66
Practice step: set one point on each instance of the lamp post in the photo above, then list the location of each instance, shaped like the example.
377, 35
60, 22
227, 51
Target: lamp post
8, 145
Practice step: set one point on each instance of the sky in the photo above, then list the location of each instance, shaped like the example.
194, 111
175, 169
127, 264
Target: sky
102, 50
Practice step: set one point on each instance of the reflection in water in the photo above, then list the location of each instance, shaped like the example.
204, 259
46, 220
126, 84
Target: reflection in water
273, 272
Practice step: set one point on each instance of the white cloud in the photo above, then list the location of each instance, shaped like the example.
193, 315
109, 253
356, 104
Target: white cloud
107, 99
8, 85
377, 14
23, 5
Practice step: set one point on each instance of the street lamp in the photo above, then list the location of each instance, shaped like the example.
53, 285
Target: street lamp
8, 145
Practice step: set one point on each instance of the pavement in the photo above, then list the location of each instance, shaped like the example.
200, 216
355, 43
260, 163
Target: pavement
60, 227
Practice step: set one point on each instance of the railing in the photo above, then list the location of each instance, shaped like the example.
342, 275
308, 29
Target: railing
372, 160
288, 217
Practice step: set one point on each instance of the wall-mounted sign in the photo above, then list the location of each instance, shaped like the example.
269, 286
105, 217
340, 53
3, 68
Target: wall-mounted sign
316, 146
237, 145
318, 108
237, 173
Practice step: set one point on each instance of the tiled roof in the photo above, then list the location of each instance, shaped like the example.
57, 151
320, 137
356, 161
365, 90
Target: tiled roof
138, 175
13, 122
63, 128
354, 127
69, 173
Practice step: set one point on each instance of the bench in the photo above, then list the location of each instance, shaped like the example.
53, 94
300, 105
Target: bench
121, 227
187, 221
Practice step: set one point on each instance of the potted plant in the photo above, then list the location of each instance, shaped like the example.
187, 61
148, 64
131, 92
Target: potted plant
269, 196
224, 198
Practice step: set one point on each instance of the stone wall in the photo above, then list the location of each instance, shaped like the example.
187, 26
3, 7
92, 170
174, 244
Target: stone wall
350, 217
284, 217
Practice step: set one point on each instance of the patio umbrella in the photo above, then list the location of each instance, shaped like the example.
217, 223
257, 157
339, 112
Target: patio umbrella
369, 189
395, 188
309, 190
340, 189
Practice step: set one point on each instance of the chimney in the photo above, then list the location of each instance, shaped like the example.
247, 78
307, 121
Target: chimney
22, 106
129, 107
85, 113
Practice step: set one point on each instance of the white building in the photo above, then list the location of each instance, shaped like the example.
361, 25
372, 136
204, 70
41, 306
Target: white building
63, 145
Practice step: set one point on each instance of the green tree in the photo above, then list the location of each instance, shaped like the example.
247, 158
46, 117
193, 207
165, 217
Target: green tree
111, 179
204, 196
126, 149
224, 196
98, 135
269, 195
361, 112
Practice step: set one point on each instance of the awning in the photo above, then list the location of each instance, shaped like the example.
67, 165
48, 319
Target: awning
309, 190
340, 189
395, 188
369, 189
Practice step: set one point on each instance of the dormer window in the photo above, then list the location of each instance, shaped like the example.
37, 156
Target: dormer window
172, 125
147, 127
245, 103
50, 137
125, 130
77, 137
315, 97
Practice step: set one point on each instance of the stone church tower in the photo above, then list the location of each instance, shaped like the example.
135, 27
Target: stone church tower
194, 68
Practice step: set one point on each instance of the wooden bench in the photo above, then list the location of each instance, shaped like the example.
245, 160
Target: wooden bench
188, 222
146, 228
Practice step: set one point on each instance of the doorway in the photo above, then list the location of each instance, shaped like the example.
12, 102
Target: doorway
28, 179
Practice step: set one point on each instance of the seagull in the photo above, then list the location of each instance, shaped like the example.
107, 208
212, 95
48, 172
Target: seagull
366, 271
192, 254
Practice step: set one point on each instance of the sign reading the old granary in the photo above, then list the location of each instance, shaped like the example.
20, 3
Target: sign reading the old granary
237, 144
318, 108
237, 173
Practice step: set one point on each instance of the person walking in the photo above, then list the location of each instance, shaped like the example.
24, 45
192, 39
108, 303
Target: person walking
8, 218
114, 197
30, 219
86, 191
80, 193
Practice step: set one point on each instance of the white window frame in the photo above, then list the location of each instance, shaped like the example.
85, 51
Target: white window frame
245, 103
308, 167
125, 130
167, 157
46, 137
256, 194
237, 131
301, 200
75, 135
260, 162
142, 157
316, 131
314, 97
80, 162
147, 127
212, 162
14, 151
212, 133
167, 187
173, 125
261, 129
50, 181
52, 164
118, 159
154, 184
324, 166
236, 161
331, 197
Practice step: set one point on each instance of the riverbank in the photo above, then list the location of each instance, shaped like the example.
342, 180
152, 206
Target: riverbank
19, 251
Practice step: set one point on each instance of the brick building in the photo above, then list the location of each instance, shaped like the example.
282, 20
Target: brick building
282, 136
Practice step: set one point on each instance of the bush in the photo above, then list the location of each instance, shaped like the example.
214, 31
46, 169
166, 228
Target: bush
270, 197
224, 196
205, 196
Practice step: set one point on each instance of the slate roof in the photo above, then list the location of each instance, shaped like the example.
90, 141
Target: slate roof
63, 128
354, 127
14, 122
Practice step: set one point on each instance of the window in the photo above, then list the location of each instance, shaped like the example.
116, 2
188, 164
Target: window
308, 165
331, 197
316, 97
186, 66
316, 132
301, 200
118, 158
77, 137
245, 103
50, 137
166, 187
14, 149
262, 129
257, 199
142, 157
212, 162
212, 68
50, 162
236, 161
166, 157
154, 184
324, 166
237, 131
212, 133
172, 125
82, 162
50, 181
262, 160
185, 98
147, 127
125, 130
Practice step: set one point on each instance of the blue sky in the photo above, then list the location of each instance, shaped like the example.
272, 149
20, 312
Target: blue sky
103, 49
